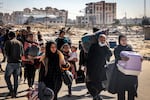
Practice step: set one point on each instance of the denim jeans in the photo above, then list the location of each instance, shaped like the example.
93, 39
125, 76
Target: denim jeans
12, 69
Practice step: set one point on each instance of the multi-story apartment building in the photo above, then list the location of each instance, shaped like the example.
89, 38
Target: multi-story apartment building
100, 13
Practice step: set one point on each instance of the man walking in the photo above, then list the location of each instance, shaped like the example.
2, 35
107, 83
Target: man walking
14, 52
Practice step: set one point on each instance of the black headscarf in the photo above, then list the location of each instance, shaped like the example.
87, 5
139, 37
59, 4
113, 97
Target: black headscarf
120, 37
53, 58
48, 51
120, 48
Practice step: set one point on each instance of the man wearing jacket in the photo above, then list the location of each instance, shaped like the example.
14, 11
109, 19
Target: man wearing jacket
14, 51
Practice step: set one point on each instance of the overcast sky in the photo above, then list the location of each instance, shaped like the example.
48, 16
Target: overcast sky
134, 8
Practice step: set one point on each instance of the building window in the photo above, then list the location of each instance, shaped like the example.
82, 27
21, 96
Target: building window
97, 8
90, 11
100, 8
109, 8
106, 8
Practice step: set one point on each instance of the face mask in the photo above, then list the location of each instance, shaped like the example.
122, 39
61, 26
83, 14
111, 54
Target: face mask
102, 44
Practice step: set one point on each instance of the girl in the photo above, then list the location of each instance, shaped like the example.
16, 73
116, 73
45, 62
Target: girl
125, 82
51, 66
66, 52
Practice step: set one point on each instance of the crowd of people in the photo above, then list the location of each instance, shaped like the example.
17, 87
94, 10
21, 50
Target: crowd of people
23, 51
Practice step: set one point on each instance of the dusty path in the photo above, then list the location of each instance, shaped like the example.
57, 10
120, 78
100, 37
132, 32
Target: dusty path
79, 91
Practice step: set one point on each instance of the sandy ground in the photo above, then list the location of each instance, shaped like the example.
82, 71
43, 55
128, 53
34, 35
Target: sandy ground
79, 91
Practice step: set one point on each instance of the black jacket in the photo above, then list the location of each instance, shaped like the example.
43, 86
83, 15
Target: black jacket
96, 60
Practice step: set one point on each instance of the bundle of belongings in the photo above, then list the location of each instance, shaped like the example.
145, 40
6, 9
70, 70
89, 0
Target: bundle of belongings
33, 50
80, 76
40, 92
89, 39
131, 67
67, 76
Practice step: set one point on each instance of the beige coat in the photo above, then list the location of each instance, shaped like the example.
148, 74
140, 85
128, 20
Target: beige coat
44, 60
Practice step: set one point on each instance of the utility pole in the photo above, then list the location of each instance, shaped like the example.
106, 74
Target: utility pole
144, 8
103, 12
46, 20
1, 10
66, 18
126, 20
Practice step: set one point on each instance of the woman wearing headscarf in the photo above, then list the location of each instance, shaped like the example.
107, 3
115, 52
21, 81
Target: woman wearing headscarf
51, 66
125, 82
98, 54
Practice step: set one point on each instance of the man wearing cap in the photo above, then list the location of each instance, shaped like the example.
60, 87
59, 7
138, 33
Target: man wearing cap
98, 54
14, 52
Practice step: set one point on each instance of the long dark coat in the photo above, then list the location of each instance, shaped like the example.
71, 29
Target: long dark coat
96, 60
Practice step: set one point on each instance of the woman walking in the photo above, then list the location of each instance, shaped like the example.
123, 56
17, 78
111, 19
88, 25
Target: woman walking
50, 71
125, 82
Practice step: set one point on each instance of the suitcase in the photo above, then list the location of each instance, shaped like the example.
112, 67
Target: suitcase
131, 67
